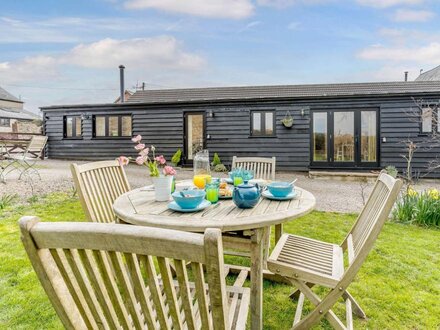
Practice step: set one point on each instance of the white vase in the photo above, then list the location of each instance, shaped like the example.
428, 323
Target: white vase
162, 188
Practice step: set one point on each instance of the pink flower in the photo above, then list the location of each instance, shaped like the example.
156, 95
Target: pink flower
169, 170
139, 146
141, 160
160, 159
123, 160
144, 152
137, 139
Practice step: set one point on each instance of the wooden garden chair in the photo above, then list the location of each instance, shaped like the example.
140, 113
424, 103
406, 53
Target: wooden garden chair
307, 262
263, 168
25, 161
98, 185
113, 276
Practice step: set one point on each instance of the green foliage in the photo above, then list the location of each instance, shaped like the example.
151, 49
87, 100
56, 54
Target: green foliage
397, 286
216, 160
392, 170
419, 208
7, 200
176, 157
220, 168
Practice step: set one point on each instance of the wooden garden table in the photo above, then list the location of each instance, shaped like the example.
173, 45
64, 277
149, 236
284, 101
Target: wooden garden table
246, 229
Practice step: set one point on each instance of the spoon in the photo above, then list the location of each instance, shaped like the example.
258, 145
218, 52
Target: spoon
293, 181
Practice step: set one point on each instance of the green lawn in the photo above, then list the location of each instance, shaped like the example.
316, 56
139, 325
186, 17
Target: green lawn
398, 286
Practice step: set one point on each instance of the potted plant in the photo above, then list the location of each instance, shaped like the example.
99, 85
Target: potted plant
287, 121
161, 173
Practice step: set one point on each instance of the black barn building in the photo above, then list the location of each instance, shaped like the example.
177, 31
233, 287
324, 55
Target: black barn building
356, 126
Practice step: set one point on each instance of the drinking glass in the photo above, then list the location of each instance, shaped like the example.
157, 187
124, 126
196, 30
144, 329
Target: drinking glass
212, 192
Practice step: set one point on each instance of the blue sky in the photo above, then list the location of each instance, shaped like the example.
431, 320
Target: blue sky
58, 52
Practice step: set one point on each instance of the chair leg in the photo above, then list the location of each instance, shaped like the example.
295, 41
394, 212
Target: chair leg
316, 315
356, 307
295, 294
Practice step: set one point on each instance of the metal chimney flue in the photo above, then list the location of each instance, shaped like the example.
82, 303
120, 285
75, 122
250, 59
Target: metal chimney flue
122, 84
406, 75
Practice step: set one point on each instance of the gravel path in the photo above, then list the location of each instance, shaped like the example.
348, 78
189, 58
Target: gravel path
331, 194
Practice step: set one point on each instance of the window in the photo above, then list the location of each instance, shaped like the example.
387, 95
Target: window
5, 122
426, 120
262, 123
72, 127
112, 126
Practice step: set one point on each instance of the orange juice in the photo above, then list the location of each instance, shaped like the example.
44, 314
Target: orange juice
200, 180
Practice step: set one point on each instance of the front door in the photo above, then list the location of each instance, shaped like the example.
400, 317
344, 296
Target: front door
193, 135
344, 138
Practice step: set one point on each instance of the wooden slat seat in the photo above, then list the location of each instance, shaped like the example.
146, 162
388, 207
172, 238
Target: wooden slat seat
114, 276
309, 257
306, 262
99, 184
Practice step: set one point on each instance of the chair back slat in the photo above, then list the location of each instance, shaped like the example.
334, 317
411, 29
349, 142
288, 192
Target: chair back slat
116, 276
99, 184
264, 168
367, 227
37, 144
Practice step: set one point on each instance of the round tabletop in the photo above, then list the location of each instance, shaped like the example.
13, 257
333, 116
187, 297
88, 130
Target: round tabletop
140, 208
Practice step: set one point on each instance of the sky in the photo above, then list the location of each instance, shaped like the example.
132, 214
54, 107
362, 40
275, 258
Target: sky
67, 52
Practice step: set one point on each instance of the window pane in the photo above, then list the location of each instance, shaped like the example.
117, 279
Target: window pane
368, 136
78, 126
69, 126
113, 129
269, 123
126, 126
100, 126
256, 123
344, 136
320, 136
427, 120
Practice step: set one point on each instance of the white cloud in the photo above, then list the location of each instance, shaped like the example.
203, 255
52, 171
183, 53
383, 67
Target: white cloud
407, 15
146, 55
287, 3
250, 26
423, 54
162, 52
388, 3
235, 9
293, 25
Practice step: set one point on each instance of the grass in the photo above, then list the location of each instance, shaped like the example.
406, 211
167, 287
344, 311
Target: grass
398, 286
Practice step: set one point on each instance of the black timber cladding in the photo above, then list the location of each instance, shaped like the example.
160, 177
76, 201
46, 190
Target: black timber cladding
161, 124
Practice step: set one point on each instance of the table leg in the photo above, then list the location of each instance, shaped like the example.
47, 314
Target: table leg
257, 279
278, 232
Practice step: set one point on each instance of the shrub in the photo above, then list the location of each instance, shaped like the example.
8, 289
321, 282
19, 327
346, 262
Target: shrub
392, 170
176, 157
7, 200
216, 160
220, 168
420, 208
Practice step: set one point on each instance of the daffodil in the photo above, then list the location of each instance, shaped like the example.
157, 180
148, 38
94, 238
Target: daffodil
434, 193
411, 192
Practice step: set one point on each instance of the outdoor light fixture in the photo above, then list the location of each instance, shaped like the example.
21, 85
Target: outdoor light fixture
303, 113
211, 114
84, 116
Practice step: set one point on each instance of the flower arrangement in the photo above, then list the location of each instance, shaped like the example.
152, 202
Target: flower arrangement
422, 208
147, 157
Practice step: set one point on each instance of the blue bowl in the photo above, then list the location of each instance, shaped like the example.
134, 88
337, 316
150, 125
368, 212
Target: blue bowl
280, 189
192, 198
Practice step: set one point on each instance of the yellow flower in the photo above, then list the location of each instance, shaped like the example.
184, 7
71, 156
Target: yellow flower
434, 193
411, 192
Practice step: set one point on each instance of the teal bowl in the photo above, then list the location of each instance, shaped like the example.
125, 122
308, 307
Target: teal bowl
280, 189
191, 200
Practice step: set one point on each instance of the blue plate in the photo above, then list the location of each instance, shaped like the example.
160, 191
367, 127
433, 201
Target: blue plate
268, 195
175, 207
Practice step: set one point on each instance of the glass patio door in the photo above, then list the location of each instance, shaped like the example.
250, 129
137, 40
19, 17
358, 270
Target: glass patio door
194, 135
344, 138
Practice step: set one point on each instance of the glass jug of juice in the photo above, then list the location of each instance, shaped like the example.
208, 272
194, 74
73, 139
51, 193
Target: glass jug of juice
202, 169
